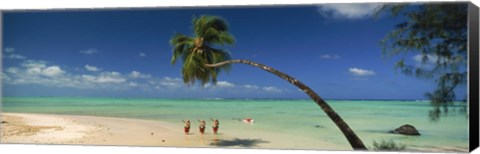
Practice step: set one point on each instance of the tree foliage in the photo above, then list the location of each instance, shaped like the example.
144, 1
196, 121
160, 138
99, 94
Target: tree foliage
200, 49
436, 33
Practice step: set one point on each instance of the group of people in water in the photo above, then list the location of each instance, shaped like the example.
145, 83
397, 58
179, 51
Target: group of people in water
215, 125
202, 126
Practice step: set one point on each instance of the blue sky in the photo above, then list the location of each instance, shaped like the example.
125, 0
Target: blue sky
332, 48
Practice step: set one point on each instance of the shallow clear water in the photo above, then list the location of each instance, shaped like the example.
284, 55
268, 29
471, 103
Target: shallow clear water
369, 119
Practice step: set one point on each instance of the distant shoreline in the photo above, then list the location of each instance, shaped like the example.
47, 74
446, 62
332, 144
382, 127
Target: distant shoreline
146, 98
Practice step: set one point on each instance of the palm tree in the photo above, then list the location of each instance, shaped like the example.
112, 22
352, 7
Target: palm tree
203, 61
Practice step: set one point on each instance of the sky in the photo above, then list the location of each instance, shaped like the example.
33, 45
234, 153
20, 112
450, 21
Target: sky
333, 48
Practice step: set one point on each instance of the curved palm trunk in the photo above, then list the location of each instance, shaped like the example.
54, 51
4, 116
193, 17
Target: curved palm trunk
352, 138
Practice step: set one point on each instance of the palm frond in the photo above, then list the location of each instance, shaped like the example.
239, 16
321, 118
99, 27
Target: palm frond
181, 44
199, 50
215, 37
203, 23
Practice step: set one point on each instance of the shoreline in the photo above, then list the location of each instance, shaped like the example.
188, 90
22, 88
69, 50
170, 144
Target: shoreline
93, 130
27, 128
243, 99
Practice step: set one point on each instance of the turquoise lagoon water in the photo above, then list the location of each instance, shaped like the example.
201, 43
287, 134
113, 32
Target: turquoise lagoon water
369, 119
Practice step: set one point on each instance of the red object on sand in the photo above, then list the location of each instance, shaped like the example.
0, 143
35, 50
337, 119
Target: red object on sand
202, 130
186, 129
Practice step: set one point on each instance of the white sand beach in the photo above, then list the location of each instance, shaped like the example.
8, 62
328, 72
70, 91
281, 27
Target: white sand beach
26, 128
91, 130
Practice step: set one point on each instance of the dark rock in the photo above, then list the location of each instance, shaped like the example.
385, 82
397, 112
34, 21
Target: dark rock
4, 122
405, 130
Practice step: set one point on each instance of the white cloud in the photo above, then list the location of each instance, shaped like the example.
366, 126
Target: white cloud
89, 51
89, 78
248, 86
225, 84
328, 56
361, 72
41, 73
91, 68
272, 89
348, 10
169, 82
110, 77
136, 74
5, 78
105, 77
141, 54
133, 84
9, 50
52, 71
12, 70
34, 63
219, 85
15, 56
35, 72
11, 55
38, 68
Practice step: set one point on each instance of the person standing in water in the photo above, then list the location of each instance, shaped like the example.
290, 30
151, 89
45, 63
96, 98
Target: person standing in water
215, 125
202, 126
248, 120
186, 128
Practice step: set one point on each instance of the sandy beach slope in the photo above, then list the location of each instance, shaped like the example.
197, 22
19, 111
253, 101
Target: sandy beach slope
90, 130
